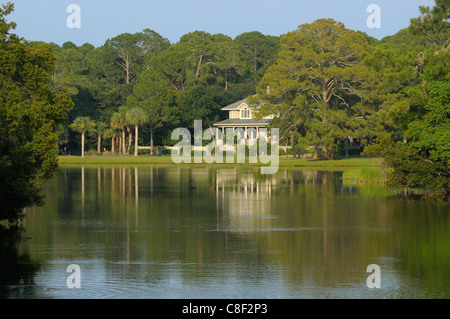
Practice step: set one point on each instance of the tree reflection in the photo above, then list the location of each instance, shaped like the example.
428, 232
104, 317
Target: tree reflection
152, 223
17, 271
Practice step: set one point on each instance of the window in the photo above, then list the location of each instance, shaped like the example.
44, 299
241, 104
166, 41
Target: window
245, 113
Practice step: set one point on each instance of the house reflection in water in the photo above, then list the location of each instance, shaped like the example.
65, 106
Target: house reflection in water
243, 200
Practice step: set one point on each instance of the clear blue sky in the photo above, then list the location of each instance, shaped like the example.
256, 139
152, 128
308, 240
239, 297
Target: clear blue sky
45, 20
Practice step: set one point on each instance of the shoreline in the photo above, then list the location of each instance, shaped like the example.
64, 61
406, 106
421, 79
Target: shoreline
355, 162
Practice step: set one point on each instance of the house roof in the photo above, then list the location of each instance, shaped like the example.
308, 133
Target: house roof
235, 105
244, 122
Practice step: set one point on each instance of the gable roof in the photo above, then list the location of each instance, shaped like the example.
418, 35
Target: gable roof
235, 105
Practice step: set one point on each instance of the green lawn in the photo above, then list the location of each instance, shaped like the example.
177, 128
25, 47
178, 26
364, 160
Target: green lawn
167, 160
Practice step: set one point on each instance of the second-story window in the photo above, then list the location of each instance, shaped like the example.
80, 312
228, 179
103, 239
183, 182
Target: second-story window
245, 113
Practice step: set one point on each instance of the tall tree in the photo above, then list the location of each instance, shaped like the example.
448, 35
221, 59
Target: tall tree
30, 111
318, 82
83, 125
134, 51
257, 51
118, 121
417, 150
226, 63
151, 44
136, 116
154, 94
100, 130
126, 49
433, 23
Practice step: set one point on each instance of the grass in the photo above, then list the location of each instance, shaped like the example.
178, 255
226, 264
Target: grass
356, 162
127, 159
365, 174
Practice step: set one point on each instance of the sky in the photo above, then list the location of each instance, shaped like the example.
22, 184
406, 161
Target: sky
100, 20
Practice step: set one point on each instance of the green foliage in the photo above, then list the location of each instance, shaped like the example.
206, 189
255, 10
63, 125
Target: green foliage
136, 116
319, 87
370, 175
411, 170
334, 89
257, 52
433, 23
83, 124
430, 130
417, 150
30, 112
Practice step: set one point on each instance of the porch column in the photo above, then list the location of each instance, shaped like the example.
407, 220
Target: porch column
245, 135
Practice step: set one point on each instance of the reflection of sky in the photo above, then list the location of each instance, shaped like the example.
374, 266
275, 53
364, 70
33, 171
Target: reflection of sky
221, 281
241, 246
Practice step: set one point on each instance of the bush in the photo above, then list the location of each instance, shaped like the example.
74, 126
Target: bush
91, 152
166, 151
143, 151
371, 175
283, 152
352, 151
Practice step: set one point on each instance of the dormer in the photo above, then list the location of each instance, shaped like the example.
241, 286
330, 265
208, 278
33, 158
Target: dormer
245, 112
239, 110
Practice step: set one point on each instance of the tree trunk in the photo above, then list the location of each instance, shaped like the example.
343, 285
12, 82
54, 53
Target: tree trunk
136, 140
82, 144
347, 145
128, 70
152, 149
113, 141
315, 152
325, 152
197, 72
123, 142
120, 145
226, 80
130, 139
292, 140
99, 142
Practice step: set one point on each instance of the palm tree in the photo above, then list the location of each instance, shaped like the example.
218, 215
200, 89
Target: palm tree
83, 124
100, 130
136, 116
118, 122
110, 133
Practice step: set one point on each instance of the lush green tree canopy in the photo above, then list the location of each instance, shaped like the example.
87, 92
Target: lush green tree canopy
331, 88
30, 111
319, 85
417, 147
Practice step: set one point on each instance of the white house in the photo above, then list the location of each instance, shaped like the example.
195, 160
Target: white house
241, 116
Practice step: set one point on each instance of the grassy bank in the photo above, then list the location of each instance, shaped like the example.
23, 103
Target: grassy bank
365, 174
167, 160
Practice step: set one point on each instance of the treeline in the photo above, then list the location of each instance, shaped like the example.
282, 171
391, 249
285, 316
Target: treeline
332, 88
169, 85
335, 88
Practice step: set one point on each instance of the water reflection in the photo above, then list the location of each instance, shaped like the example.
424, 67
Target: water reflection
157, 232
17, 271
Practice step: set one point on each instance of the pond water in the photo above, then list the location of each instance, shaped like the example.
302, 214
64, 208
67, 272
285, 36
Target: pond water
225, 232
